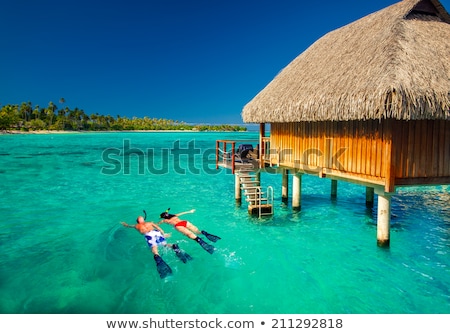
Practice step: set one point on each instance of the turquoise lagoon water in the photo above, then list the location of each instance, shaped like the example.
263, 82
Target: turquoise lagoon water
63, 249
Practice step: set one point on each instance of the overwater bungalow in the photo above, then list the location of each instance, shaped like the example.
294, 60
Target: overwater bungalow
368, 103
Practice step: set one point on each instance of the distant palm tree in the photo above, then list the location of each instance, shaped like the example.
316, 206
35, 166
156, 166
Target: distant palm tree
36, 112
50, 112
62, 116
25, 110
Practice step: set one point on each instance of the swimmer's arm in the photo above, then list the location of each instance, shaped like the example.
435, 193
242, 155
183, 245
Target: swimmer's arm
166, 235
128, 225
183, 213
158, 228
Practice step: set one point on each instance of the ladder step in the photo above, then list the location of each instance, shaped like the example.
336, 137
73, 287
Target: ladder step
248, 199
253, 198
252, 189
257, 199
253, 193
249, 193
250, 185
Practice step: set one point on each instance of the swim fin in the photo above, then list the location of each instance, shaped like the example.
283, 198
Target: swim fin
211, 237
206, 247
162, 267
182, 255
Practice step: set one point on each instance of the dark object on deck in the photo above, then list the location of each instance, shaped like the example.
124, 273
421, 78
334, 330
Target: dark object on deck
243, 152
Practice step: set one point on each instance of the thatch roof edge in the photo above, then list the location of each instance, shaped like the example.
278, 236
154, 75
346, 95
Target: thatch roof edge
388, 87
445, 16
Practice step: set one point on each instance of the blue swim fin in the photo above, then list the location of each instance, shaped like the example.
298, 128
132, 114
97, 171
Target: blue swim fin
206, 247
182, 255
162, 267
211, 237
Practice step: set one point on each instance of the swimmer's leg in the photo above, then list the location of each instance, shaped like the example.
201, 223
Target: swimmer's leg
182, 255
189, 234
162, 267
211, 237
206, 247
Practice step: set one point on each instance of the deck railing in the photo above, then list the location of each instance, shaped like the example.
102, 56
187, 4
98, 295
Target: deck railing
226, 153
223, 156
265, 150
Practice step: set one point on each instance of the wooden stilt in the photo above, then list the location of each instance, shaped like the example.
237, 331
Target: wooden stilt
296, 191
383, 219
285, 186
369, 197
333, 188
237, 189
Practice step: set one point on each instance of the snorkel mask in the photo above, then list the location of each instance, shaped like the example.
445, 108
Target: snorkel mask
166, 214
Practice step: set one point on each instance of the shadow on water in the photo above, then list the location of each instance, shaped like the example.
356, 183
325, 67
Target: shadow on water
114, 244
112, 254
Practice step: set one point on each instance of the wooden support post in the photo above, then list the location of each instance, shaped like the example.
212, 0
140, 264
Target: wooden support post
217, 154
369, 197
237, 189
262, 134
233, 162
297, 192
258, 176
285, 186
383, 219
333, 188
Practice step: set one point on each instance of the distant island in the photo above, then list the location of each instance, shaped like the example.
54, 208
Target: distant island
26, 117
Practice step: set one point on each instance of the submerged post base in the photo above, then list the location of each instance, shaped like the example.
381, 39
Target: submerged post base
383, 218
297, 209
383, 243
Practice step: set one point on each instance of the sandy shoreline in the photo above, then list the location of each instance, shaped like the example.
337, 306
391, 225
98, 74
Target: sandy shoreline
15, 132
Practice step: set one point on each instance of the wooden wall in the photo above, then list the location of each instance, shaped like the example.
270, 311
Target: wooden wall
389, 152
421, 152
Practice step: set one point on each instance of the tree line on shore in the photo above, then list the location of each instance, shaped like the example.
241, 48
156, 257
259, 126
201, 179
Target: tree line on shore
26, 117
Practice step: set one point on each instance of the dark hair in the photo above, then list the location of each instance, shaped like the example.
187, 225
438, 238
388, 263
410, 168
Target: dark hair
166, 215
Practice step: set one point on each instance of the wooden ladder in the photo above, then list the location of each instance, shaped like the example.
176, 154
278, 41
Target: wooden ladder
259, 202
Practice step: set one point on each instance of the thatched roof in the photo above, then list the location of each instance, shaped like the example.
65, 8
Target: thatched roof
394, 63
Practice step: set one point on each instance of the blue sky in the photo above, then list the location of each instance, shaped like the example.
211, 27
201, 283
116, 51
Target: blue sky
198, 61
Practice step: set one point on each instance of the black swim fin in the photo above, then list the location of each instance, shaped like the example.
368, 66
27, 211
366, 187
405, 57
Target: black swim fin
206, 247
211, 237
162, 267
182, 255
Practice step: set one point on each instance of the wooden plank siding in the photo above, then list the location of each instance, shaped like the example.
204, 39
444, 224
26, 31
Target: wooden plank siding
387, 153
422, 152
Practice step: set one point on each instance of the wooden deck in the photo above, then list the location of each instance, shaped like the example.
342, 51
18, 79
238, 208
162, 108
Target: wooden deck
239, 165
266, 209
227, 157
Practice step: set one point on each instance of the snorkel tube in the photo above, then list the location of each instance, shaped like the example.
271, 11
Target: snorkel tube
166, 214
